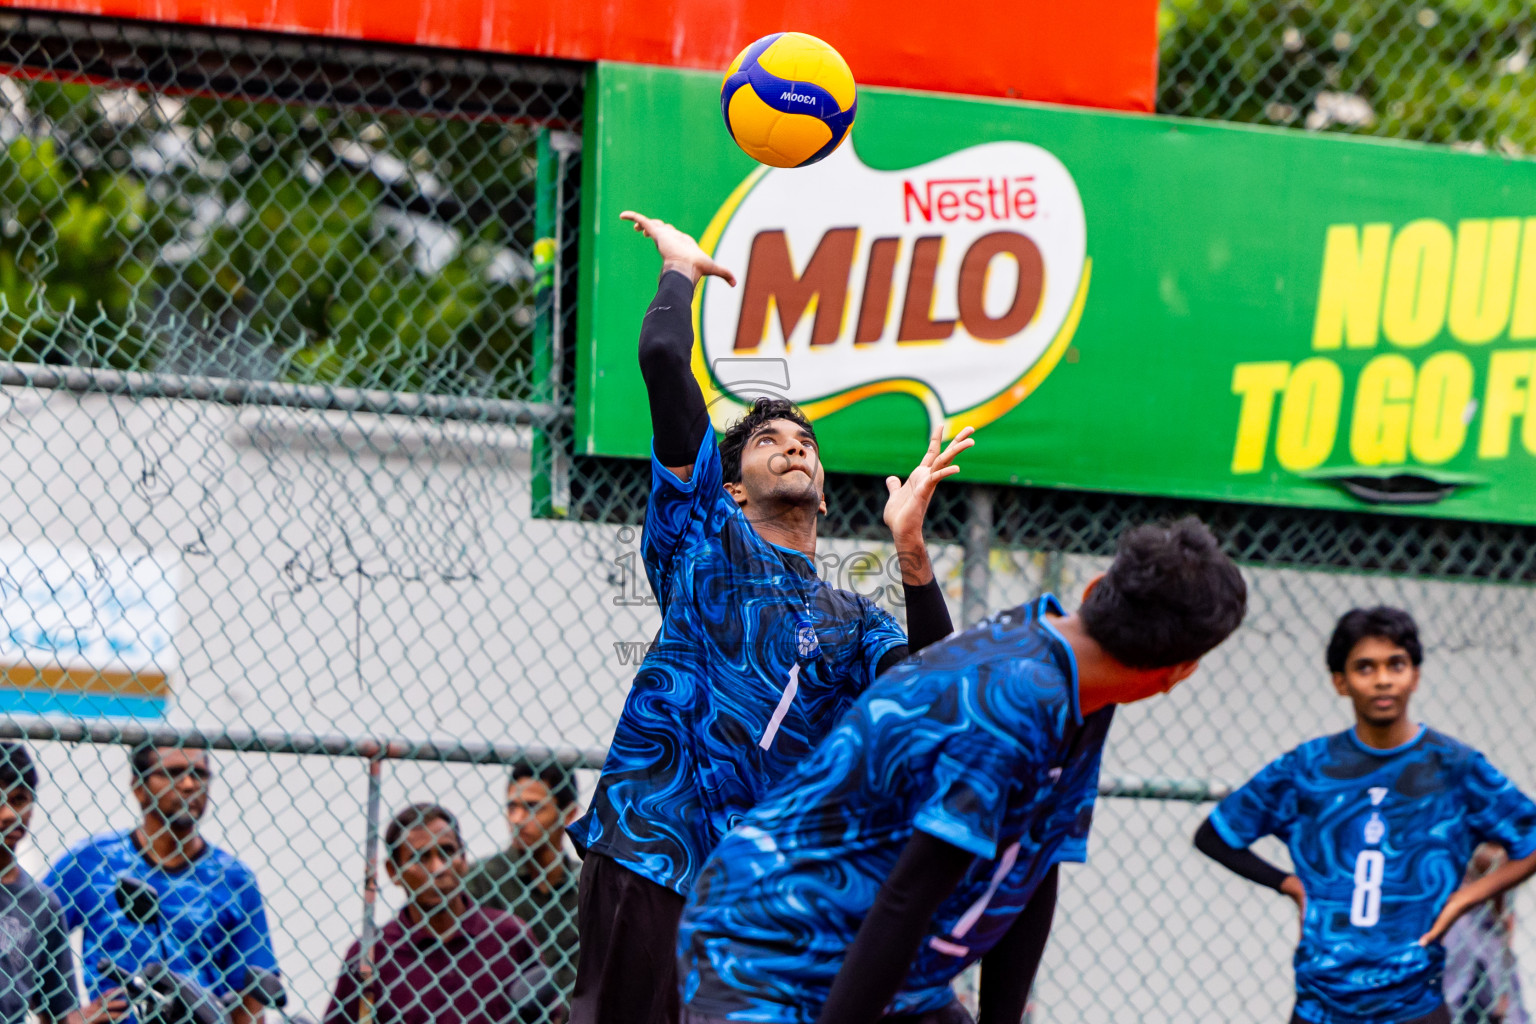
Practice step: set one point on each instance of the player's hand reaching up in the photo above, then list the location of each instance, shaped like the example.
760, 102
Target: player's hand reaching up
678, 250
908, 503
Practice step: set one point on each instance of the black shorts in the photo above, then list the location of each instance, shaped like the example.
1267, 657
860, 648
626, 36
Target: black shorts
626, 965
1438, 1016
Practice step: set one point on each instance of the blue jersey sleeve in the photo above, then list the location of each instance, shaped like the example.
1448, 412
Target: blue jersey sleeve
1265, 806
70, 882
966, 795
675, 507
246, 942
1497, 811
965, 802
881, 634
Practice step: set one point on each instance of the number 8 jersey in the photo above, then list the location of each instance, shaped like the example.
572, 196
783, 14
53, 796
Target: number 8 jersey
1379, 840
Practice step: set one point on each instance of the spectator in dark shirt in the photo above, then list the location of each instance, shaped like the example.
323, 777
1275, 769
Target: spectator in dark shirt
37, 967
533, 878
443, 959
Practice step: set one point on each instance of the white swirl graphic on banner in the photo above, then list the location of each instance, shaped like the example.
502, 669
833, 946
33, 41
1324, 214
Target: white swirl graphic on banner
958, 282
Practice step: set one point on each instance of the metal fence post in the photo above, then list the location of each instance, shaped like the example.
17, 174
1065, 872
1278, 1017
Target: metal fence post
365, 966
1051, 572
976, 572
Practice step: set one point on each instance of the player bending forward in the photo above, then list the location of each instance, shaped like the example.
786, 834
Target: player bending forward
1380, 820
924, 833
756, 660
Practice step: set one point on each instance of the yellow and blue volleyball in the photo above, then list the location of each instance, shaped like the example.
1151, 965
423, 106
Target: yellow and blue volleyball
788, 99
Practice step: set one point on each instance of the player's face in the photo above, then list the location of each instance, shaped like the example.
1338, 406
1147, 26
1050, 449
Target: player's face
15, 813
430, 864
532, 814
781, 465
1378, 678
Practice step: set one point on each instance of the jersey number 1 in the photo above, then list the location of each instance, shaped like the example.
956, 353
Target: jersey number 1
1365, 908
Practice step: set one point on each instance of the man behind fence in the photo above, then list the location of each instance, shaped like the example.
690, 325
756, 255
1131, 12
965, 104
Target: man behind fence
443, 960
37, 967
207, 924
534, 879
756, 659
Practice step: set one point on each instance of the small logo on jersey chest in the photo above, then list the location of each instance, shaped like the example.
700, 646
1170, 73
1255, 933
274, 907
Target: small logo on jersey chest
1378, 794
1375, 830
1054, 774
806, 644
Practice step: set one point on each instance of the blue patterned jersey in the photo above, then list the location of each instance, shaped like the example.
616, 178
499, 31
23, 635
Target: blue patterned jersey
1379, 839
978, 741
756, 660
213, 927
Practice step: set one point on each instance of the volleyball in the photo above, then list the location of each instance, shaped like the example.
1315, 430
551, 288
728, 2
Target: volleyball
788, 99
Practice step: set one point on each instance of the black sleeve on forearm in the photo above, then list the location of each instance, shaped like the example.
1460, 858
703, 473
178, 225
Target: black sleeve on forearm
927, 615
1244, 862
678, 415
1008, 969
928, 622
894, 656
877, 962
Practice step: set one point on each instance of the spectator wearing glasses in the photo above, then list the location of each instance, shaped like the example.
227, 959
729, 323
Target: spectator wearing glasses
210, 928
534, 878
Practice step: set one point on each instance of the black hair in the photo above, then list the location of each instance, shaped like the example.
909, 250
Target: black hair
416, 816
735, 437
1390, 624
553, 774
144, 758
1170, 596
17, 770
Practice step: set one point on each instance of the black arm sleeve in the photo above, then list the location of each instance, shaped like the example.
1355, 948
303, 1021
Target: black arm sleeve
928, 622
927, 615
1008, 969
894, 656
882, 952
678, 416
1244, 862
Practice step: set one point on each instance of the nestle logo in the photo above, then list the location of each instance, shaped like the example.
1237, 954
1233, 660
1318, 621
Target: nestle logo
974, 199
795, 97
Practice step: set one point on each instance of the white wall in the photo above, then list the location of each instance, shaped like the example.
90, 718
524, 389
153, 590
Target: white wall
470, 621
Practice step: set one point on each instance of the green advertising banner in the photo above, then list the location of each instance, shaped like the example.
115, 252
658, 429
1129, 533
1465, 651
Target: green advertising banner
1114, 302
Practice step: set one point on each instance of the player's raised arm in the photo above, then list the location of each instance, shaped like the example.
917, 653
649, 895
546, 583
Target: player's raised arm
928, 618
678, 416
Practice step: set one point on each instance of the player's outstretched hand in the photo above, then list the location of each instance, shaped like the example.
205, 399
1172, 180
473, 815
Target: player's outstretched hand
678, 249
908, 503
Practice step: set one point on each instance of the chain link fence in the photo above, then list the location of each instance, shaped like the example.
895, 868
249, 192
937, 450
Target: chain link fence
287, 327
1447, 71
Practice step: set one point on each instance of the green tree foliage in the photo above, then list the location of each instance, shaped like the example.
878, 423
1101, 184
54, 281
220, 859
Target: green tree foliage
1449, 71
67, 244
374, 250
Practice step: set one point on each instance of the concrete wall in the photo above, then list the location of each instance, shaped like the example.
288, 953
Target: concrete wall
380, 576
